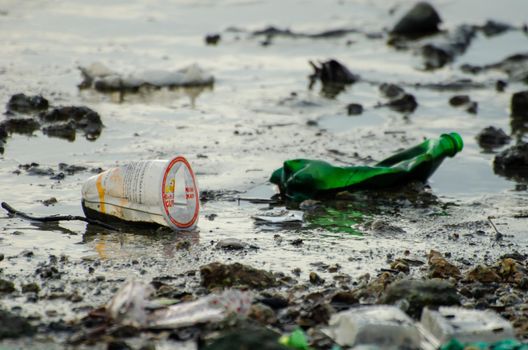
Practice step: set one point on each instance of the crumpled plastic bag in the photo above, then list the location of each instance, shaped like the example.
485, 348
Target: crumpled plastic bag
131, 306
102, 78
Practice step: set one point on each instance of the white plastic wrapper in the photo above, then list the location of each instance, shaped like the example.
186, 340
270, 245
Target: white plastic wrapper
103, 78
150, 191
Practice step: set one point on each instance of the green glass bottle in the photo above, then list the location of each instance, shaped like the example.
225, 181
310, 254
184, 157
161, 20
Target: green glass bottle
301, 179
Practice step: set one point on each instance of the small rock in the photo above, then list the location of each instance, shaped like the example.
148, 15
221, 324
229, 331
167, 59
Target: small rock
26, 253
472, 107
222, 275
6, 286
247, 337
419, 294
500, 85
492, 137
512, 162
22, 103
333, 72
459, 100
344, 300
118, 345
492, 28
482, 274
354, 109
400, 265
519, 104
510, 299
296, 242
263, 314
50, 201
71, 169
439, 267
24, 126
421, 20
275, 301
380, 226
315, 314
30, 288
212, 39
316, 279
12, 326
231, 244
391, 91
406, 104
81, 118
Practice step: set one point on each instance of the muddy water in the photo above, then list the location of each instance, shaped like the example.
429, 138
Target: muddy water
238, 132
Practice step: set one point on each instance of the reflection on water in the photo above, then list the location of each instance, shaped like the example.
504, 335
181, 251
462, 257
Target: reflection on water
131, 242
148, 95
345, 219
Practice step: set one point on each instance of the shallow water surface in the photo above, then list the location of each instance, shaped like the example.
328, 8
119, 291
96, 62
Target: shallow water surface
236, 133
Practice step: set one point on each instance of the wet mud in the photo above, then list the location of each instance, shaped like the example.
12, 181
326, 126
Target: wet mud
348, 83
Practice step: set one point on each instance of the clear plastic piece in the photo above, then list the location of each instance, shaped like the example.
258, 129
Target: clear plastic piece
374, 327
466, 325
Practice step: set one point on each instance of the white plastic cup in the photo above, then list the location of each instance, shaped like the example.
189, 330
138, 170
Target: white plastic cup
148, 191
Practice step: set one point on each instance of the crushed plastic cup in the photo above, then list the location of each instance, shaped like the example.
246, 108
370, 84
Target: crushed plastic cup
466, 325
163, 192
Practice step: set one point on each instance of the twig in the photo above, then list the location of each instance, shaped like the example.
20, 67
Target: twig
498, 235
53, 218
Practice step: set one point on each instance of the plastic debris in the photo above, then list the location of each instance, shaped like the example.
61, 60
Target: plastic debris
382, 326
129, 304
507, 344
103, 78
301, 179
212, 308
162, 192
280, 216
296, 340
466, 325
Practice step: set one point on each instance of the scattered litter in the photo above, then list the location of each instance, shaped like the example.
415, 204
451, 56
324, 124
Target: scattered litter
509, 344
102, 78
129, 304
159, 192
212, 308
466, 325
381, 325
280, 216
296, 340
301, 179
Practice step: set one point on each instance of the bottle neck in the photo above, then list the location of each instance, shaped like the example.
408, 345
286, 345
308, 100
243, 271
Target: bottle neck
452, 143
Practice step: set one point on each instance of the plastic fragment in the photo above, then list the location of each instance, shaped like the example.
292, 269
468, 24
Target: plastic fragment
466, 325
507, 344
296, 340
212, 308
129, 304
281, 216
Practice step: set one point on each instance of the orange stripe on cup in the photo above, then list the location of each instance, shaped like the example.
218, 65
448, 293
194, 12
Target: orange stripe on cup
101, 191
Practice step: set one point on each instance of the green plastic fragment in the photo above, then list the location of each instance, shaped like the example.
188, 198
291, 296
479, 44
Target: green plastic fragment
296, 340
507, 344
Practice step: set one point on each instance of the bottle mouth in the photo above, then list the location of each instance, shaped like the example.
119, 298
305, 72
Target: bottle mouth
457, 141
